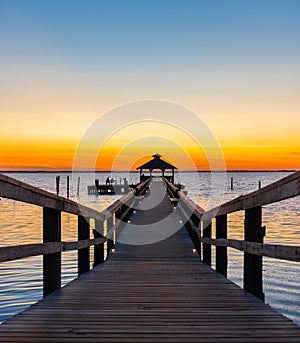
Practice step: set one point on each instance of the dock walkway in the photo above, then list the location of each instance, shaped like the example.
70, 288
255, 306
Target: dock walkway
159, 292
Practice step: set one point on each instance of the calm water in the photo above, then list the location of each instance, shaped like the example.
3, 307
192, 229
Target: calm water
21, 280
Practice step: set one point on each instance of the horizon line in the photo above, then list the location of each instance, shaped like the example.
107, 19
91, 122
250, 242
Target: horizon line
136, 171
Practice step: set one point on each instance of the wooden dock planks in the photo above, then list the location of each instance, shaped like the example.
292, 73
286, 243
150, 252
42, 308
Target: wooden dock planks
152, 293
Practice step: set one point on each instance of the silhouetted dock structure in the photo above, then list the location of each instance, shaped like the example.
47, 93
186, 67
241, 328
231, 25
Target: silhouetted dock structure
158, 292
110, 188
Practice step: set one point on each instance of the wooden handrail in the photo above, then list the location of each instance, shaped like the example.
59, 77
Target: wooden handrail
285, 188
253, 247
52, 247
278, 251
14, 252
11, 188
193, 207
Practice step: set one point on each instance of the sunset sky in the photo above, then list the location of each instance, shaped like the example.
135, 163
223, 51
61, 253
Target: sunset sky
65, 63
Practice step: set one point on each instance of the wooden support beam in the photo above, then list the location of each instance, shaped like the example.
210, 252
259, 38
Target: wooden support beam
83, 254
98, 249
253, 263
51, 262
207, 247
221, 252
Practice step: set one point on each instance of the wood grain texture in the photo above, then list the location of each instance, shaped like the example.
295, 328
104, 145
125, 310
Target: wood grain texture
157, 292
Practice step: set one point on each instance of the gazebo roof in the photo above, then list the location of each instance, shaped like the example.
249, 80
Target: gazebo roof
156, 163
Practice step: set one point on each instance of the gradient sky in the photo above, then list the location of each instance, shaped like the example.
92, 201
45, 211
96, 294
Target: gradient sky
234, 63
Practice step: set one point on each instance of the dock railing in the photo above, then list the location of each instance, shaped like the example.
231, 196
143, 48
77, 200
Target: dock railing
199, 224
107, 226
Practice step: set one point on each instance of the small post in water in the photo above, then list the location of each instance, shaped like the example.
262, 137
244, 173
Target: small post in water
231, 183
68, 187
57, 184
78, 185
259, 184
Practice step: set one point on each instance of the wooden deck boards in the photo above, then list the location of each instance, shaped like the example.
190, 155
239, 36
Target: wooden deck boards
153, 293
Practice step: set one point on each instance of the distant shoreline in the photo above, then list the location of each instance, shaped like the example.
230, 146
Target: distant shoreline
135, 171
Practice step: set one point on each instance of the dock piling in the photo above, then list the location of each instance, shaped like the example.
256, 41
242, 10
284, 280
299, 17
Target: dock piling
68, 187
57, 184
78, 186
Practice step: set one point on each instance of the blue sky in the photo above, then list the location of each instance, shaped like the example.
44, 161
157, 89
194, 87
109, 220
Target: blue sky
233, 62
145, 34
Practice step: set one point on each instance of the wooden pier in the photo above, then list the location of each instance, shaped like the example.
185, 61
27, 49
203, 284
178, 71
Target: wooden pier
159, 292
110, 188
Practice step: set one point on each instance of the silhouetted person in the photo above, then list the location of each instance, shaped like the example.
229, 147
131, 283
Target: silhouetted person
107, 180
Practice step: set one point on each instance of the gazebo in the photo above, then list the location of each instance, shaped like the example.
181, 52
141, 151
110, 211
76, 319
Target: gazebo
157, 164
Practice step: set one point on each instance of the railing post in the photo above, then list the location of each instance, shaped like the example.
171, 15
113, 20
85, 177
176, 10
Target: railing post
83, 254
99, 248
126, 216
195, 235
110, 236
253, 263
119, 223
221, 252
51, 262
207, 247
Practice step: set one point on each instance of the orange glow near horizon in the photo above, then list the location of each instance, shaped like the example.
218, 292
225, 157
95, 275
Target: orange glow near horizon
58, 155
125, 150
